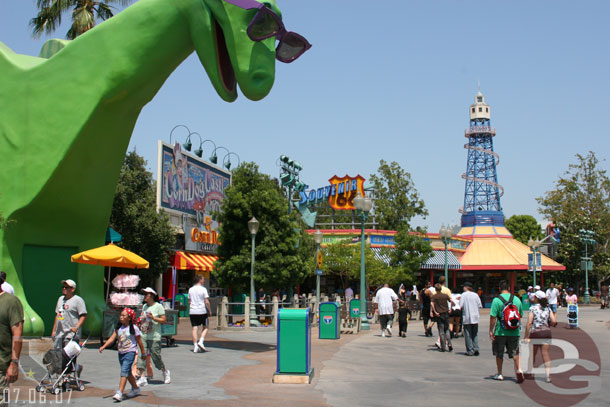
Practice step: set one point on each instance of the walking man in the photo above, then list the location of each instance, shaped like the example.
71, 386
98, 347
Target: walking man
11, 330
470, 303
199, 304
604, 294
425, 296
505, 329
552, 295
440, 310
153, 315
384, 299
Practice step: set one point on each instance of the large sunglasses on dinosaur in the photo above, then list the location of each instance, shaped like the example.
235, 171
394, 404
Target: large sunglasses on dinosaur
267, 24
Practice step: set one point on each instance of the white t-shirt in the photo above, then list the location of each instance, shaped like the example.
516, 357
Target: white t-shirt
552, 294
384, 299
197, 296
456, 300
7, 288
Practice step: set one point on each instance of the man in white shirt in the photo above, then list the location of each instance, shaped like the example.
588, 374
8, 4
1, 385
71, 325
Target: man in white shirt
199, 306
6, 287
470, 303
552, 294
384, 299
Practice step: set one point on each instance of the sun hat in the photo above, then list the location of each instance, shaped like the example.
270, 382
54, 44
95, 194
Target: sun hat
149, 290
69, 282
540, 294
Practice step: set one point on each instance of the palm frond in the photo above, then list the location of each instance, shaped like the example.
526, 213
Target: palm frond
83, 19
103, 11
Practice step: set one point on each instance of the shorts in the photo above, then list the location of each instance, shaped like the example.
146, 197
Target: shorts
542, 336
553, 307
126, 361
510, 343
425, 313
199, 319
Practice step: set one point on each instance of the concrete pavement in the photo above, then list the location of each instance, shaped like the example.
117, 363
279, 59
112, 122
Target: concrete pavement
357, 370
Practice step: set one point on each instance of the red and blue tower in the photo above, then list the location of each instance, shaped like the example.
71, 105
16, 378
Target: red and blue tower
482, 212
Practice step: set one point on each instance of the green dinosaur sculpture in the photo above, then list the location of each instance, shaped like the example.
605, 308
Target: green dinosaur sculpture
66, 118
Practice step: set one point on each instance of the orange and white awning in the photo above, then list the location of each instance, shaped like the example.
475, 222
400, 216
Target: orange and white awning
193, 261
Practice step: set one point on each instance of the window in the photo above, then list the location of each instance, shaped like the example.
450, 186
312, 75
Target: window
473, 110
487, 109
480, 109
480, 99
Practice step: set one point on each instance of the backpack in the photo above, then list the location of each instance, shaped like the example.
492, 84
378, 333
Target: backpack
509, 318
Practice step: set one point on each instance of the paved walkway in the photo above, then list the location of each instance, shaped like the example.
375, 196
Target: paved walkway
361, 370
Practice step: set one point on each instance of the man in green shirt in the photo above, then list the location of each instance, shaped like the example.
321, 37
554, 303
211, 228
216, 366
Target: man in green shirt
501, 337
153, 315
11, 330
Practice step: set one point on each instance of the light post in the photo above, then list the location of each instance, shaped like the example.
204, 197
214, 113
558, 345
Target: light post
363, 205
289, 177
586, 236
317, 238
445, 234
253, 227
535, 246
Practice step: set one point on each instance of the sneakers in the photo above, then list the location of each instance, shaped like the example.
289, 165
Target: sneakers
134, 392
383, 334
389, 330
196, 349
498, 377
450, 348
548, 379
520, 377
200, 346
118, 396
476, 353
166, 378
142, 381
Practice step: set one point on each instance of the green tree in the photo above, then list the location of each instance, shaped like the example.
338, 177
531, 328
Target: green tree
282, 247
396, 199
522, 227
580, 200
410, 251
84, 15
145, 232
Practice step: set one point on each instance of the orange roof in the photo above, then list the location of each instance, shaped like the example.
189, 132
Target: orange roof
501, 253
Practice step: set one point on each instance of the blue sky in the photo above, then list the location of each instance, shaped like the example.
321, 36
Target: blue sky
393, 80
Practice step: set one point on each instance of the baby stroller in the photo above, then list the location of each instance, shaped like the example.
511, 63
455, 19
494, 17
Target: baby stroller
61, 369
573, 316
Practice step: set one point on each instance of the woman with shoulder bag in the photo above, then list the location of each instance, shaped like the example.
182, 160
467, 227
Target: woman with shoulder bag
539, 323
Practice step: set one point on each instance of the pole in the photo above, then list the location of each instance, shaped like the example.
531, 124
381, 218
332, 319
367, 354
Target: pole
587, 296
253, 320
445, 240
534, 251
363, 292
317, 282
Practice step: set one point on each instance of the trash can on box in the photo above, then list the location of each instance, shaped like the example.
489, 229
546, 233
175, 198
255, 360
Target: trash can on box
330, 321
354, 308
293, 342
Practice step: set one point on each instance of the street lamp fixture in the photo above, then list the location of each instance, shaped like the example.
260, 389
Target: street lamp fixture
586, 236
363, 206
226, 161
535, 247
445, 234
214, 157
253, 228
289, 177
172, 132
199, 151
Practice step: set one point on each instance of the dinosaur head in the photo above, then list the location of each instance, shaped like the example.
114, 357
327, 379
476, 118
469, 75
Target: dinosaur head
229, 56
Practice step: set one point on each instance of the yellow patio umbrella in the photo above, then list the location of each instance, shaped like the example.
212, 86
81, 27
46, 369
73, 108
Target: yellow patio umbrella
110, 256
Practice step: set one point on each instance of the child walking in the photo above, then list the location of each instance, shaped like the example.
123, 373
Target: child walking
129, 338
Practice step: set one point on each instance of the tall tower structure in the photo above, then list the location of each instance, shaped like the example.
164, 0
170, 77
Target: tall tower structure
482, 208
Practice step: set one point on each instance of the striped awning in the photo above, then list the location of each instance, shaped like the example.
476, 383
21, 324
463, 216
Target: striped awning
193, 261
436, 262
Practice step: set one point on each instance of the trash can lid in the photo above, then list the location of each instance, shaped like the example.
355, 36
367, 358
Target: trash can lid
328, 306
294, 314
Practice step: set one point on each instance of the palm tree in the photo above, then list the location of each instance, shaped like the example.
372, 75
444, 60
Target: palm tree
84, 15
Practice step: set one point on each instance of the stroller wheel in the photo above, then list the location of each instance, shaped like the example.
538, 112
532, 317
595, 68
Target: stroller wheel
81, 387
40, 389
55, 390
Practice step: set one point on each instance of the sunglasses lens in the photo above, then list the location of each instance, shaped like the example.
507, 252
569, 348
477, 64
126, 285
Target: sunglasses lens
264, 25
291, 47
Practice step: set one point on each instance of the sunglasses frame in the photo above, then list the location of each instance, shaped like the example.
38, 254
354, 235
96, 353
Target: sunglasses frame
280, 35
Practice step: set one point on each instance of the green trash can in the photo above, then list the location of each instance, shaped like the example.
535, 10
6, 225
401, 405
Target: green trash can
183, 300
354, 308
238, 309
294, 342
525, 302
330, 321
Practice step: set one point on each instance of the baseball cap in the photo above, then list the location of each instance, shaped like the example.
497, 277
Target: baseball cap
149, 290
530, 288
537, 288
69, 282
540, 294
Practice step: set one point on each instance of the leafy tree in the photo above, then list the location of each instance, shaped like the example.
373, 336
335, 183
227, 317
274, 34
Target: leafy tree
410, 251
397, 201
145, 232
522, 227
580, 200
84, 14
282, 247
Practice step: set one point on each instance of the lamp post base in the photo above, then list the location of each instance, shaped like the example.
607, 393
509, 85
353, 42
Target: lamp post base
364, 323
587, 298
253, 318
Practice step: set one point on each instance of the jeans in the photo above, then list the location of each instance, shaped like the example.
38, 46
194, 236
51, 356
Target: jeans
154, 348
126, 361
471, 332
442, 321
553, 307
